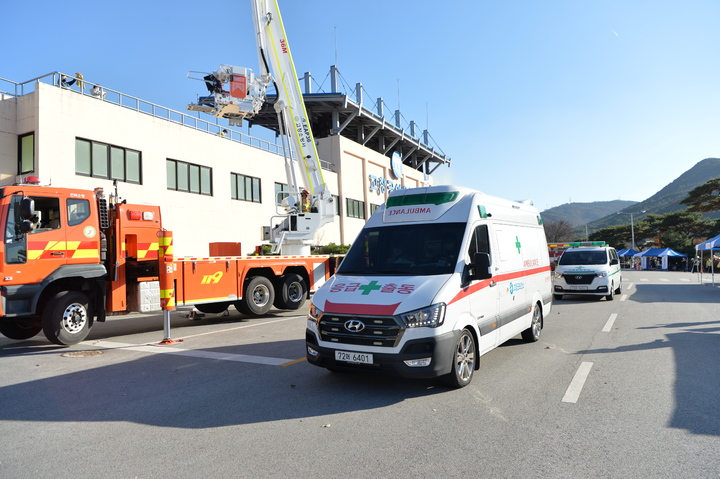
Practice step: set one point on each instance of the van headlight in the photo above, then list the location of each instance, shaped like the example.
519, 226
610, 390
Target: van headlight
430, 317
314, 313
601, 274
558, 274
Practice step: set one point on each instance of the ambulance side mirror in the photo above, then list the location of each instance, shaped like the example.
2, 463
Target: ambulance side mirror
480, 267
614, 261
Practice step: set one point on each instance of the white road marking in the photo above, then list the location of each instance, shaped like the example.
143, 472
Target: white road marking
664, 279
644, 279
623, 297
630, 285
573, 391
195, 353
611, 320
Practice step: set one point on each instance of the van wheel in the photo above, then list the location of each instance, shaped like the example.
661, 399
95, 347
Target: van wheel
20, 328
610, 295
463, 361
290, 292
67, 318
619, 288
258, 297
557, 296
532, 333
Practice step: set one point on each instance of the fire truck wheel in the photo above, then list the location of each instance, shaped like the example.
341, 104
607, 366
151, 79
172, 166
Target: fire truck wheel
290, 292
67, 318
212, 308
258, 298
20, 328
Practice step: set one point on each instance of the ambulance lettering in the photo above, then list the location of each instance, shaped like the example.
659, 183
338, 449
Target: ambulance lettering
408, 211
366, 289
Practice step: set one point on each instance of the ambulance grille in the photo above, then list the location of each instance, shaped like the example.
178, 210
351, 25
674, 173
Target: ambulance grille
382, 331
575, 278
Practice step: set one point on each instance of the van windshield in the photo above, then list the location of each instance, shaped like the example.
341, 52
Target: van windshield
570, 258
417, 249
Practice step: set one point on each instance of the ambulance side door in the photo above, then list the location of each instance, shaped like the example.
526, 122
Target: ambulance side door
485, 297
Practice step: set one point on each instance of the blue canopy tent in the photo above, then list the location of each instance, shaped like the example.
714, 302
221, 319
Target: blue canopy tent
626, 257
663, 253
713, 244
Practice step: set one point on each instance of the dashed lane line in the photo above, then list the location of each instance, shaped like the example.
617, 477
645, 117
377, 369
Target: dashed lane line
576, 385
610, 322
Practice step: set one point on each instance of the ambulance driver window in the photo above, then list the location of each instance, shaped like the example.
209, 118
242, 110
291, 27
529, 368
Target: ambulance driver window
77, 210
47, 214
479, 241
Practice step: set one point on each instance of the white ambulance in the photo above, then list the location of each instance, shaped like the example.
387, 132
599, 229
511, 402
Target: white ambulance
588, 268
437, 277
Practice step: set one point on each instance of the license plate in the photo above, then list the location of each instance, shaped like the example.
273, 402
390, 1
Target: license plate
350, 357
579, 288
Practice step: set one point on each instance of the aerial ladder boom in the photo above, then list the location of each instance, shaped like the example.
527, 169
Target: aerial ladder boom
298, 224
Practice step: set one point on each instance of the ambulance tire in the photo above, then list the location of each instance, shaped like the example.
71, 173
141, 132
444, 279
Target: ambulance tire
611, 295
532, 333
20, 328
463, 361
258, 297
290, 292
212, 308
619, 288
67, 318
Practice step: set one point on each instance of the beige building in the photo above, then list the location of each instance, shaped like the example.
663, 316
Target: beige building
211, 188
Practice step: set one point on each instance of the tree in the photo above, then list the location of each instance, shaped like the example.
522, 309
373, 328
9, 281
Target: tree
675, 230
704, 198
616, 236
558, 231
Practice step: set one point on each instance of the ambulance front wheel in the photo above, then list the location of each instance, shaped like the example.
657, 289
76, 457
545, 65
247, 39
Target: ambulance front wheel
463, 361
258, 297
67, 318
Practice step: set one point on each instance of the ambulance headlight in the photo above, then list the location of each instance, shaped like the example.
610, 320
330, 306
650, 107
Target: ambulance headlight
314, 313
431, 317
558, 274
601, 274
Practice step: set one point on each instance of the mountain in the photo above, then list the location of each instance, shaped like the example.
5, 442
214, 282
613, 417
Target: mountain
601, 214
667, 199
579, 214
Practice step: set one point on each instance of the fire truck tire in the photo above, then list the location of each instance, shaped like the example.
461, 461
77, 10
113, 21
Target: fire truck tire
290, 292
258, 297
212, 308
67, 318
20, 328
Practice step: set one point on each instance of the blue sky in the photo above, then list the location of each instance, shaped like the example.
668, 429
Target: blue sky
556, 101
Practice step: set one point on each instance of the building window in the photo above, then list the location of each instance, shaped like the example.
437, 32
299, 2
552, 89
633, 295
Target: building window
188, 177
338, 205
26, 153
111, 162
373, 208
281, 192
355, 208
245, 188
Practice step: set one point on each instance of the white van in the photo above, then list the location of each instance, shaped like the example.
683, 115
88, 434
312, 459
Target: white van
588, 269
437, 277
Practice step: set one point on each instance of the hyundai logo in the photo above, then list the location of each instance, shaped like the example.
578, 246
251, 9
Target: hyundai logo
354, 326
578, 277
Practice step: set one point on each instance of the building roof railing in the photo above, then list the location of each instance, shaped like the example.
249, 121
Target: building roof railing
79, 85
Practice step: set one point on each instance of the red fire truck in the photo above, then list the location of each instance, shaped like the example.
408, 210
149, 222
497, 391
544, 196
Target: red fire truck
72, 257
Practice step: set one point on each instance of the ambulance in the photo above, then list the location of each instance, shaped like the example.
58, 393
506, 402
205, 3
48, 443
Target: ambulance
437, 277
588, 268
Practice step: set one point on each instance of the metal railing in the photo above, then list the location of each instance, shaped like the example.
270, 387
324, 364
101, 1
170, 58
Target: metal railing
84, 87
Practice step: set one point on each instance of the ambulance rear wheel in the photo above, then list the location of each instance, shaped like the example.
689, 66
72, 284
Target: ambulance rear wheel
20, 328
67, 318
290, 292
463, 361
258, 297
532, 333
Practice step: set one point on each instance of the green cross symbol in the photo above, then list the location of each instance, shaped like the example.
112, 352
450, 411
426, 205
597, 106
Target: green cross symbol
517, 244
367, 288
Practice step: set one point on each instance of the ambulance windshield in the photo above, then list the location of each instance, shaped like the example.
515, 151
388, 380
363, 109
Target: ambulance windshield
572, 258
416, 249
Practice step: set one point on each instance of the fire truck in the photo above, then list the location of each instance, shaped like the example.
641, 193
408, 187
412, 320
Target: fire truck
72, 257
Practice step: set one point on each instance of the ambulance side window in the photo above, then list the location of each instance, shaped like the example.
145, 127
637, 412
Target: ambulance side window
47, 211
77, 211
479, 242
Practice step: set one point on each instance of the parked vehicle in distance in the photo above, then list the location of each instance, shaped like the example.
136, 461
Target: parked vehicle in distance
588, 270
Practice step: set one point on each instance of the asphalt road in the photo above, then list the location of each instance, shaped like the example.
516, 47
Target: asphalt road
613, 389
